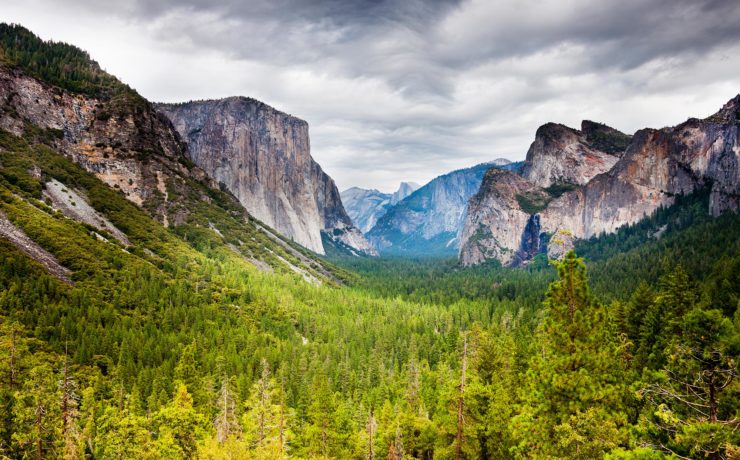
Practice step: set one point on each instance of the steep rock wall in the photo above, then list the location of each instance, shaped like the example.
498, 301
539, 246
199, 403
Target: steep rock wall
263, 157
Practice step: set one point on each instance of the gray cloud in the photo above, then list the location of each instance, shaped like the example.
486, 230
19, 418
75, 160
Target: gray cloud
406, 90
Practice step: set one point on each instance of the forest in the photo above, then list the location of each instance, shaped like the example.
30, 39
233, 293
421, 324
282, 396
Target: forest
178, 347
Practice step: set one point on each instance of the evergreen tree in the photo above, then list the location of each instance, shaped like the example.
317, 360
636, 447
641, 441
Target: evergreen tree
573, 389
180, 422
693, 401
226, 422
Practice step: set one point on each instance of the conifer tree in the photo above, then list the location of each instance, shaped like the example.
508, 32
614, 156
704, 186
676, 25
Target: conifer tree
180, 420
226, 422
692, 402
573, 386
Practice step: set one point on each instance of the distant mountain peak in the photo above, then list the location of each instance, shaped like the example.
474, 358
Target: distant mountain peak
404, 189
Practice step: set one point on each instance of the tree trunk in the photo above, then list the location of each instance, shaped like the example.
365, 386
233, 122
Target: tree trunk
370, 432
461, 402
11, 377
39, 432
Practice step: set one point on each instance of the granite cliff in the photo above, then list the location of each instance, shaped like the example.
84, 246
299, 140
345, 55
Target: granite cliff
120, 139
71, 109
562, 155
589, 197
262, 156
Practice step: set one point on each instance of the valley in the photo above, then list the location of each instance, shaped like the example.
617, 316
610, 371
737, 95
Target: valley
184, 280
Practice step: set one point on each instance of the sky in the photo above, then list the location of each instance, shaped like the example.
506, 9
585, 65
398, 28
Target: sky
406, 90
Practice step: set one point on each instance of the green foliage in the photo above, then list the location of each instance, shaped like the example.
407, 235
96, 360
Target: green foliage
575, 386
532, 202
58, 64
559, 188
609, 141
178, 347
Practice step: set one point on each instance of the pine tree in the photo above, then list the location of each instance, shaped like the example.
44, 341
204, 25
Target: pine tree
321, 430
36, 413
265, 419
180, 421
573, 387
692, 402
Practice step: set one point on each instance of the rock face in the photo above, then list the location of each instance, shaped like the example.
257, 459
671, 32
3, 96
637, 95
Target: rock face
365, 207
121, 140
263, 157
560, 243
562, 155
496, 226
656, 166
75, 206
430, 219
404, 190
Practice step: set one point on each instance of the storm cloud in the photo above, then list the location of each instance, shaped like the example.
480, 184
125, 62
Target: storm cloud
407, 90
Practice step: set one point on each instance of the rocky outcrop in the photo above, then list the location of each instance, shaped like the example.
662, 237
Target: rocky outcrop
365, 207
560, 243
430, 219
263, 157
657, 166
496, 226
121, 140
75, 206
562, 155
26, 245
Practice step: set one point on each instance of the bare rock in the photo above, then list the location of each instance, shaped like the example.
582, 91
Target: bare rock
496, 225
562, 155
560, 243
263, 157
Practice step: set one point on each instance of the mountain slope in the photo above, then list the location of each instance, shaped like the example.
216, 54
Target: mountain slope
428, 221
365, 207
657, 166
263, 157
117, 136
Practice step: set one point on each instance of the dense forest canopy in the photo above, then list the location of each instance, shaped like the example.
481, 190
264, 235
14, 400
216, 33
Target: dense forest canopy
192, 353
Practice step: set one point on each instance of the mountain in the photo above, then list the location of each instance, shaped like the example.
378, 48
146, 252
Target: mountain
263, 157
404, 189
365, 207
429, 220
588, 198
565, 156
55, 116
501, 162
